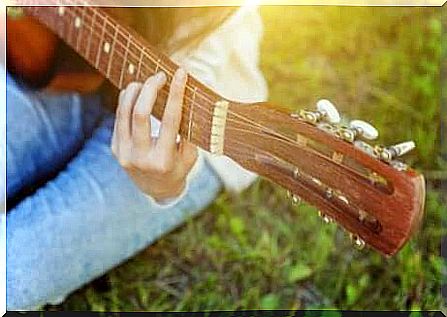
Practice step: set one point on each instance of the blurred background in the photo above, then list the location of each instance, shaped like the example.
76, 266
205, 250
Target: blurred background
380, 64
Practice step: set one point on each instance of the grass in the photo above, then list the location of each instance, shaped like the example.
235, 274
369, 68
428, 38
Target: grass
260, 251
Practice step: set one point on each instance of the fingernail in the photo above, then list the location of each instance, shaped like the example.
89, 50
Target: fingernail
180, 73
160, 77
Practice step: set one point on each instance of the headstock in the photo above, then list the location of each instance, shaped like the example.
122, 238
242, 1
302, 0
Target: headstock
378, 199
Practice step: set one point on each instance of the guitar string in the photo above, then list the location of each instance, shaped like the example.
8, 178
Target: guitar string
249, 121
138, 46
246, 119
150, 69
238, 116
242, 151
290, 141
261, 126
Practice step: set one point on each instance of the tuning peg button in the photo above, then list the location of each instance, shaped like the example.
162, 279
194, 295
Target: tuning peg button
364, 129
387, 154
357, 129
326, 111
330, 113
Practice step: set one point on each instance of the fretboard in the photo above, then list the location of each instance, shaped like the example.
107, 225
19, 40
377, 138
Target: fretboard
123, 56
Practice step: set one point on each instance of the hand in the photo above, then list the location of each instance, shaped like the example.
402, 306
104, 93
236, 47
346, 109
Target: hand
159, 167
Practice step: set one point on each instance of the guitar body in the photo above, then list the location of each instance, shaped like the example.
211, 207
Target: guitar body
30, 50
32, 56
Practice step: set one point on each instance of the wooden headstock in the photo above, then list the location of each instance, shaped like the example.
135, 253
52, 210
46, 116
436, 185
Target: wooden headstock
378, 199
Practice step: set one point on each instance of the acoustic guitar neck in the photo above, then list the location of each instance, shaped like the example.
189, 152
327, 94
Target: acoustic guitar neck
122, 56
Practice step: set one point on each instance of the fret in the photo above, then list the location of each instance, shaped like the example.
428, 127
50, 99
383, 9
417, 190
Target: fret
98, 54
79, 24
123, 57
132, 61
125, 69
191, 114
111, 52
140, 61
70, 20
60, 22
157, 66
106, 47
89, 41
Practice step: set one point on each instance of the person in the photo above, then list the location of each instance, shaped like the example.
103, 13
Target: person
99, 187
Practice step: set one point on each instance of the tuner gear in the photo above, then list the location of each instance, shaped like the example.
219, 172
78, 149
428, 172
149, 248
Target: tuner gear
295, 199
326, 219
358, 243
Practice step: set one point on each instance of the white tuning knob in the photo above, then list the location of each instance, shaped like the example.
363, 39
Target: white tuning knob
403, 148
389, 153
364, 129
330, 113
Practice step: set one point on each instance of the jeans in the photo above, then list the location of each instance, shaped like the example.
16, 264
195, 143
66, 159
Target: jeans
80, 214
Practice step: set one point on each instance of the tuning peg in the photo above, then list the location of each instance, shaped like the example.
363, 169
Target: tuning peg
364, 129
357, 241
365, 147
330, 113
358, 129
295, 199
387, 154
325, 218
326, 111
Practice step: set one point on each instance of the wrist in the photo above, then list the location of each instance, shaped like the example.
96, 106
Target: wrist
166, 201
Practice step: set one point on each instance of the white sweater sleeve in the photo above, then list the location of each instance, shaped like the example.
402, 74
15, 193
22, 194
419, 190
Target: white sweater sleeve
228, 62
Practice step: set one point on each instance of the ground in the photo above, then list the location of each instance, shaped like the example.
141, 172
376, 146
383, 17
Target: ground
260, 251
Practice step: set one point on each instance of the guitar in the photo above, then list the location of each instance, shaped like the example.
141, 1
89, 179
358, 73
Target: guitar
378, 199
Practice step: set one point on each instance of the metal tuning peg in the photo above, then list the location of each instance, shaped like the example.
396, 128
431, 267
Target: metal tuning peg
326, 111
296, 200
326, 219
387, 154
358, 243
365, 147
358, 129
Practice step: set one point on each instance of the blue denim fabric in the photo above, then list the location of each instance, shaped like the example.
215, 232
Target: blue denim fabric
88, 218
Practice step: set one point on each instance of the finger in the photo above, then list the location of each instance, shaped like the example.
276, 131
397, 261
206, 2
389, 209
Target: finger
141, 126
188, 155
123, 116
172, 115
114, 143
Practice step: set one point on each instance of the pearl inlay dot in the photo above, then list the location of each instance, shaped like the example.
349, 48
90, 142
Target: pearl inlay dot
107, 47
61, 11
131, 69
77, 22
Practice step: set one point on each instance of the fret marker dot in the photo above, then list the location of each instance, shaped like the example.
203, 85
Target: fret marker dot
77, 22
107, 47
131, 69
61, 11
